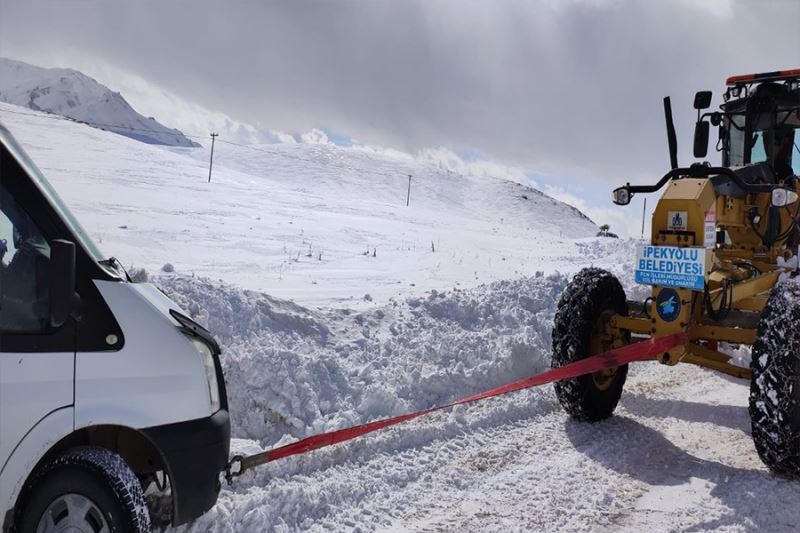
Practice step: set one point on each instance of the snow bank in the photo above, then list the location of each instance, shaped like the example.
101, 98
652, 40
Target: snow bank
293, 372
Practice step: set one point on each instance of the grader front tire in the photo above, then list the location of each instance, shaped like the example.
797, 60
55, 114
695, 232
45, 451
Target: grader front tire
580, 330
775, 383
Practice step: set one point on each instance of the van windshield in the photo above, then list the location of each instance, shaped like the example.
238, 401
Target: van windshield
52, 196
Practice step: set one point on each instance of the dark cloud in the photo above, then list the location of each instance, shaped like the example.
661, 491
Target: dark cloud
547, 84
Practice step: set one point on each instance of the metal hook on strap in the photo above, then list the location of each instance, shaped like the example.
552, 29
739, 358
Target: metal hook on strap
234, 468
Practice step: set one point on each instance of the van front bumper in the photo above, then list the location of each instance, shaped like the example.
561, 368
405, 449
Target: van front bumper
194, 452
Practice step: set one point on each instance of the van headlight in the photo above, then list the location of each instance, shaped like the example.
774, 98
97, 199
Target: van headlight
211, 372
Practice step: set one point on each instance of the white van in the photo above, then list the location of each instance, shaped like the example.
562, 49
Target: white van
106, 387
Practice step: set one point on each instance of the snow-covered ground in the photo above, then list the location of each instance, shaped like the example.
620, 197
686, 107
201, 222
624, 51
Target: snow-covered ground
315, 223
678, 455
439, 324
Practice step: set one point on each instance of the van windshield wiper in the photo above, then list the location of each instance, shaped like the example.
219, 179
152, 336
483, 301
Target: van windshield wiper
115, 264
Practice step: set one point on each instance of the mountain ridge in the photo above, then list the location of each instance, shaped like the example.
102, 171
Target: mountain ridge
70, 93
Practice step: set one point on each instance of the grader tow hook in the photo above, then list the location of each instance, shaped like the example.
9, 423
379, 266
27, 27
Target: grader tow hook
721, 261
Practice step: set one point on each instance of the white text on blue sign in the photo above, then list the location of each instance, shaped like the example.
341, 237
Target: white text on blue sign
670, 266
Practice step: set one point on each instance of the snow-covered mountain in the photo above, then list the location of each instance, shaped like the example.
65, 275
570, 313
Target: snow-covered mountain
72, 94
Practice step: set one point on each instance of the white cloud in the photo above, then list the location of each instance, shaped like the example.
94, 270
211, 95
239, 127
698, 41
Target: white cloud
381, 150
572, 87
544, 83
623, 221
723, 9
315, 136
478, 168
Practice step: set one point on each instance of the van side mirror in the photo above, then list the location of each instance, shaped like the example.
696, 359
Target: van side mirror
701, 130
64, 301
702, 100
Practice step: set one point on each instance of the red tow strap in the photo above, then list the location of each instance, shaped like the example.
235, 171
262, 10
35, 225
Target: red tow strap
639, 351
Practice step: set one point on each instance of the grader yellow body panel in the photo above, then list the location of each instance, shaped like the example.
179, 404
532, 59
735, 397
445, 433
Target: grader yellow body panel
690, 215
680, 216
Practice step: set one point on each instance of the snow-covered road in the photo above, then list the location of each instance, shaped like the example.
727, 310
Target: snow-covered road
665, 462
677, 456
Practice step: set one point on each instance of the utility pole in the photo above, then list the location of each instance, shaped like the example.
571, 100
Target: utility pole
408, 195
211, 161
644, 208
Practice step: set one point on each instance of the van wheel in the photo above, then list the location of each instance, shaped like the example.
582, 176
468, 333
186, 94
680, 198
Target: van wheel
87, 490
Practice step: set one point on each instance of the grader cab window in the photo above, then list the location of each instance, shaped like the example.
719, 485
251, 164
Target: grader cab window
774, 144
759, 149
792, 147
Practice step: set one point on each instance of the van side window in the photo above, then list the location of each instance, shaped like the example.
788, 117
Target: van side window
24, 260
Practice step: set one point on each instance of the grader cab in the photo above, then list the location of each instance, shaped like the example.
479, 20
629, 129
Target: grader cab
722, 261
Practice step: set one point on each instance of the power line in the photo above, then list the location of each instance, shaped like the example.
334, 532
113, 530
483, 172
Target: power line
54, 116
101, 125
298, 158
105, 126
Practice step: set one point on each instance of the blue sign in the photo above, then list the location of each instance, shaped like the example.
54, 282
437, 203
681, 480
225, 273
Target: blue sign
671, 266
668, 305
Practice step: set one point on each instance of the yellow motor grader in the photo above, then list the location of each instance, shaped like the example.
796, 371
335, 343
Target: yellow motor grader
721, 261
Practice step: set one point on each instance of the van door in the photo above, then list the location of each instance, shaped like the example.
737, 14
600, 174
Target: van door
37, 362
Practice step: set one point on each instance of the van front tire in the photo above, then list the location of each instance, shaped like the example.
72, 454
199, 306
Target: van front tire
91, 488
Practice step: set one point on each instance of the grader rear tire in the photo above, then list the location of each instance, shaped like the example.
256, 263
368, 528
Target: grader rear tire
580, 330
775, 384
